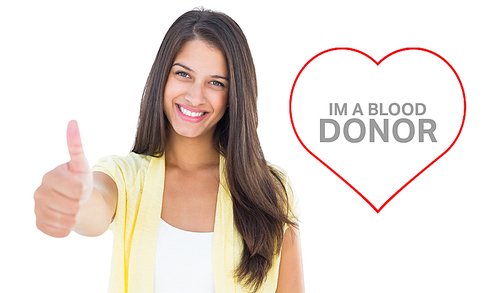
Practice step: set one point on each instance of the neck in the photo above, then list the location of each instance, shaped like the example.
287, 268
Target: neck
190, 153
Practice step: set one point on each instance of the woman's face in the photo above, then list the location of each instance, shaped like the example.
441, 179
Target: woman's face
196, 92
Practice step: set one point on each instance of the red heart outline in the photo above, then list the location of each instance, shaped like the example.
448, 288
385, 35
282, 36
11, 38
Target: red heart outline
377, 63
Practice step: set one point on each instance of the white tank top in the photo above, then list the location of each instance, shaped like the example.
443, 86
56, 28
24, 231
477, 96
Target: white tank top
183, 261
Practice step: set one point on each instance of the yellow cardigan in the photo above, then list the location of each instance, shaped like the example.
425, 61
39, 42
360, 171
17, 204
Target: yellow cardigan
140, 180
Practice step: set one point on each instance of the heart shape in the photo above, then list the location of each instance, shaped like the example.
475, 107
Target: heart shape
377, 63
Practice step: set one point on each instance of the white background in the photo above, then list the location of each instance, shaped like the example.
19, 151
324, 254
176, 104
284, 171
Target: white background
89, 61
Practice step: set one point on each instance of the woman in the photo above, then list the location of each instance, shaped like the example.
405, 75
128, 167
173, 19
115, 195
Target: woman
195, 206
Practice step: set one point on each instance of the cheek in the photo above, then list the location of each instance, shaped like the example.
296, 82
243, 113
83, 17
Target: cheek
171, 91
217, 101
220, 103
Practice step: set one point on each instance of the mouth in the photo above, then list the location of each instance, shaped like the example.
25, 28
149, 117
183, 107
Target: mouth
193, 114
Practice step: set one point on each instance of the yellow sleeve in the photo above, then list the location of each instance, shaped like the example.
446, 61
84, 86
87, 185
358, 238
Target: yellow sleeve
123, 170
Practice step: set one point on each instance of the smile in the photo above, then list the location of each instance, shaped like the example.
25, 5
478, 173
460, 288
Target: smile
190, 113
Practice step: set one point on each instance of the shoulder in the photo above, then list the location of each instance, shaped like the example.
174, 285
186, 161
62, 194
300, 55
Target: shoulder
126, 167
132, 161
277, 171
291, 196
280, 175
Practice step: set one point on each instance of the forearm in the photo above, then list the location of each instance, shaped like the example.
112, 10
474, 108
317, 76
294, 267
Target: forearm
98, 212
94, 216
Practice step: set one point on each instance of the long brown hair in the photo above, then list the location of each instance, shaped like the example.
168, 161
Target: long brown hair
260, 201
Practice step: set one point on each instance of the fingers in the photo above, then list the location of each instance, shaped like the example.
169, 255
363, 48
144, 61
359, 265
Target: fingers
65, 183
51, 230
56, 215
78, 162
56, 220
56, 201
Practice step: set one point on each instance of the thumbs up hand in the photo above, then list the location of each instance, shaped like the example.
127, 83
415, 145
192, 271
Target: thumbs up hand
64, 190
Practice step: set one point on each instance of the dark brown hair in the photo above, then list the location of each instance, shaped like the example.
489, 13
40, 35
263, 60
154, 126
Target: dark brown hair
260, 201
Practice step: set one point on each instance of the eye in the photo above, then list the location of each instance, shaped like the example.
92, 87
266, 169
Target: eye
217, 83
182, 73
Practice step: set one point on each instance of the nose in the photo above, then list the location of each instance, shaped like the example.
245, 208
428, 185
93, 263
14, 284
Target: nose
195, 95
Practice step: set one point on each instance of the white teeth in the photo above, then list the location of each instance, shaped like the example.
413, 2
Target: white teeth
189, 113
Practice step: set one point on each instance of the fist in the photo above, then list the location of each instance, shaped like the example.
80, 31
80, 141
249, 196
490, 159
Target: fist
64, 190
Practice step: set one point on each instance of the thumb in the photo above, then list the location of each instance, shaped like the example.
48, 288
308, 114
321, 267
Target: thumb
78, 163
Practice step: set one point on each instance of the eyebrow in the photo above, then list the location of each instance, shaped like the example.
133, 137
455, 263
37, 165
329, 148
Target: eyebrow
189, 69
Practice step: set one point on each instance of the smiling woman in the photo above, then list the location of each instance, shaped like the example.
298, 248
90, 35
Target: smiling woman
196, 90
194, 207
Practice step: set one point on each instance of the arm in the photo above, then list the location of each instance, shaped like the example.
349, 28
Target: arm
98, 212
291, 275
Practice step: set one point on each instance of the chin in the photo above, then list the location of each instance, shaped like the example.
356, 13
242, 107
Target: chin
188, 133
